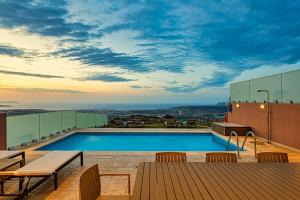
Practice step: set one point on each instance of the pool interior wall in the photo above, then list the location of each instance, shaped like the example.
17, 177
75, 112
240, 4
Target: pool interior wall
132, 141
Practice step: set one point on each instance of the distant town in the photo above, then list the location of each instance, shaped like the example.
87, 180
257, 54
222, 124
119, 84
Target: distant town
181, 116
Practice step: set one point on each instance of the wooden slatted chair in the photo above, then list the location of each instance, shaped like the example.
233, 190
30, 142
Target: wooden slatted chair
221, 157
170, 157
90, 186
274, 157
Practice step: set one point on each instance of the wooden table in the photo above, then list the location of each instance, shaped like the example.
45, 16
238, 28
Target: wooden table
191, 181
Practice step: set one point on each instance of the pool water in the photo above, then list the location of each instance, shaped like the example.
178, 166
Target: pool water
140, 142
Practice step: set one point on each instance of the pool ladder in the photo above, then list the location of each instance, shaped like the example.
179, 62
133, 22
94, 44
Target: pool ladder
249, 133
237, 142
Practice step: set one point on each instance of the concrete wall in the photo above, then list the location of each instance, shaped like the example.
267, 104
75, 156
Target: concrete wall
3, 140
285, 121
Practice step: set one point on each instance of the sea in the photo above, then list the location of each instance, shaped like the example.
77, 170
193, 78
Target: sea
94, 106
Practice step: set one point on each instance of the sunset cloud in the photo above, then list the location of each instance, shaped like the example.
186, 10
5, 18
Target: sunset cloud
200, 44
29, 74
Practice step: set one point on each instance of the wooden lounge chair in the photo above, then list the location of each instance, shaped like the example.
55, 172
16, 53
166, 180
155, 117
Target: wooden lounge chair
221, 157
90, 185
170, 157
9, 159
275, 157
11, 154
44, 168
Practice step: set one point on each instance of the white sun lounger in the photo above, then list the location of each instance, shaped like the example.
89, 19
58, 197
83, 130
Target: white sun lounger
44, 167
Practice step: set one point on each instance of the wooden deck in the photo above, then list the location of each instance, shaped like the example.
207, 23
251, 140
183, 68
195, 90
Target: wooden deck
125, 162
193, 181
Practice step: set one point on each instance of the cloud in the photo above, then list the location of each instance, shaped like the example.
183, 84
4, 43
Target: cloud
172, 82
183, 88
42, 90
235, 35
47, 18
219, 78
105, 57
254, 34
140, 87
9, 50
105, 78
29, 74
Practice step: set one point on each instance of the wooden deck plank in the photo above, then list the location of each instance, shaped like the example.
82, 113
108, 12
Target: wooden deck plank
222, 188
244, 182
153, 181
290, 170
145, 195
189, 189
277, 185
189, 172
209, 181
266, 190
168, 183
261, 182
235, 186
176, 183
188, 194
161, 188
286, 173
272, 181
138, 182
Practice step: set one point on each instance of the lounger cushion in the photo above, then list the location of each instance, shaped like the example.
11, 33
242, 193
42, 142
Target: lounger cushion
48, 163
45, 165
7, 154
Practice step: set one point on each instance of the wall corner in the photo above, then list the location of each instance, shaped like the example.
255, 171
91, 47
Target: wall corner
3, 132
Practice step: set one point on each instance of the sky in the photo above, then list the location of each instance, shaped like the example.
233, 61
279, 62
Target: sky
131, 51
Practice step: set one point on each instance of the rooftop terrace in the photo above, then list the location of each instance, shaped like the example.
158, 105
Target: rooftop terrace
275, 119
123, 162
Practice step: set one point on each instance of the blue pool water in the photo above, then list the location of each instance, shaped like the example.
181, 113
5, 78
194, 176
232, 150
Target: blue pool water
140, 142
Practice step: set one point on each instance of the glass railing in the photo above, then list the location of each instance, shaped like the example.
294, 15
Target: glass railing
23, 129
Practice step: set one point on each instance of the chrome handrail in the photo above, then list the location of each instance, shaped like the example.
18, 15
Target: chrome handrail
237, 142
254, 142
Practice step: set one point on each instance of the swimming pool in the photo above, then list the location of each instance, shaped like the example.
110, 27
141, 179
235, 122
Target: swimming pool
140, 142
